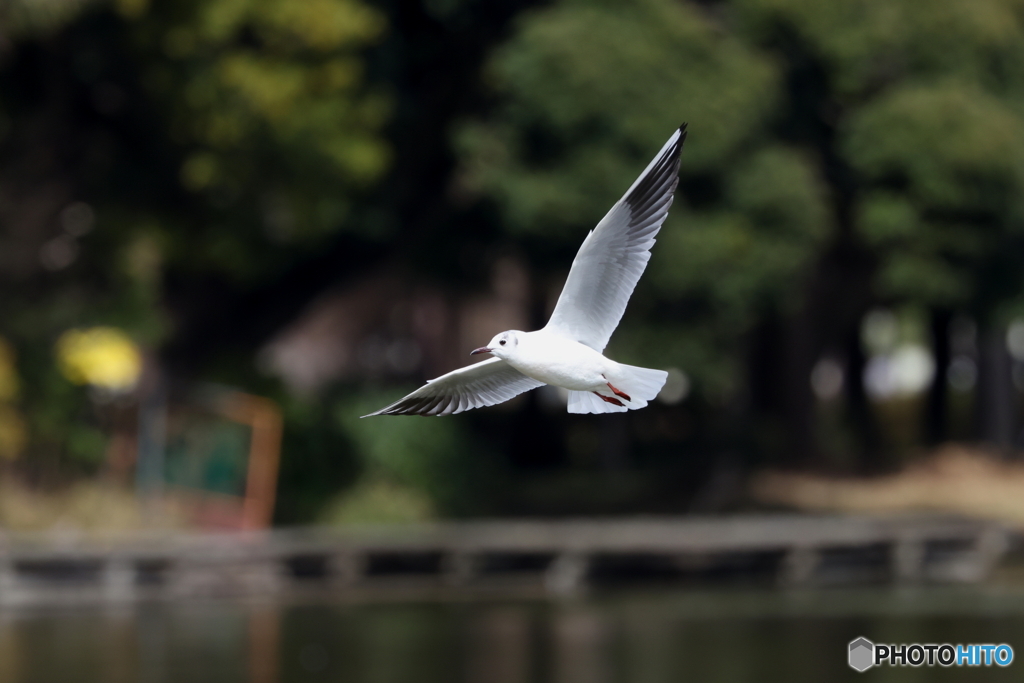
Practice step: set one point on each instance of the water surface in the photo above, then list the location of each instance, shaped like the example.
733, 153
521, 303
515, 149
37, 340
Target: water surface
727, 635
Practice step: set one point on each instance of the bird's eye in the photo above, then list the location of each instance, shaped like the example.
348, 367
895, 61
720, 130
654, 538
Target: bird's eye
502, 342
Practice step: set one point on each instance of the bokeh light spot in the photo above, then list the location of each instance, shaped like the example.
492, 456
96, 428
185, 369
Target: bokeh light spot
103, 357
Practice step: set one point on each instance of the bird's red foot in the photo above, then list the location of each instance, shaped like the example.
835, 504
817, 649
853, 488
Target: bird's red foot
611, 399
618, 392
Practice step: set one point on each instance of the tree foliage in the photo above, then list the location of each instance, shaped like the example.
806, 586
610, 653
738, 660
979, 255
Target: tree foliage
927, 100
586, 93
265, 103
175, 169
832, 146
156, 155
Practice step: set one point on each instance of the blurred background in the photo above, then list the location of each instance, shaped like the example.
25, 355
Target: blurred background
228, 228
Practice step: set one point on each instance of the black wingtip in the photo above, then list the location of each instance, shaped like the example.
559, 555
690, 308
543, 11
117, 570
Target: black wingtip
664, 171
673, 153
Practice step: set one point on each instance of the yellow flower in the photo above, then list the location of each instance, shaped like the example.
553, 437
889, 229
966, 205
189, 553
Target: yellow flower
101, 356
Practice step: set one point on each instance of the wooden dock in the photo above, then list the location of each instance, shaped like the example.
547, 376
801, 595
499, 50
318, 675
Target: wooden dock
559, 557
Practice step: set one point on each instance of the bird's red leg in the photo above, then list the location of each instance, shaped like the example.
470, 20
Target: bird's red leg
617, 392
610, 399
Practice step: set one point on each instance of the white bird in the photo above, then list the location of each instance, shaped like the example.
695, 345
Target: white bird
567, 352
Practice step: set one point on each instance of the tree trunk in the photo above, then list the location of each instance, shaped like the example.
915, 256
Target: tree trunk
798, 405
936, 427
859, 406
994, 396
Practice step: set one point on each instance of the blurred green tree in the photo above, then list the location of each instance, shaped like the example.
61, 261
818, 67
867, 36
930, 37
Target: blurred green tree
841, 155
194, 172
158, 159
924, 103
266, 105
585, 92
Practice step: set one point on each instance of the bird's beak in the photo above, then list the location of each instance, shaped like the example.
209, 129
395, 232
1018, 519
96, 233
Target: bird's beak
482, 349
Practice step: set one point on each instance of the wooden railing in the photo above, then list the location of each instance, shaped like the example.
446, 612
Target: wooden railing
550, 557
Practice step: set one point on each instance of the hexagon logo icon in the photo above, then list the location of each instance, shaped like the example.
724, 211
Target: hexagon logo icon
862, 654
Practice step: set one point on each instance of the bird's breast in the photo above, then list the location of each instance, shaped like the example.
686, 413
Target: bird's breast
562, 363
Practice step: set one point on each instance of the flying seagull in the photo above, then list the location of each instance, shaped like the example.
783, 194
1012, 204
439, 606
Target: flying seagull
567, 352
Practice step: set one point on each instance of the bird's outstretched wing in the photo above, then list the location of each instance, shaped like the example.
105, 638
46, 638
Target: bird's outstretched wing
615, 253
474, 386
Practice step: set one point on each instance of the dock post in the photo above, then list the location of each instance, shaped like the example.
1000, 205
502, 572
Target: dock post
9, 588
908, 559
989, 548
799, 565
459, 568
119, 579
347, 569
567, 573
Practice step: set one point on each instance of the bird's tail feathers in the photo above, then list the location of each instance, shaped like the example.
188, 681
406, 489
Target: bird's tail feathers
640, 384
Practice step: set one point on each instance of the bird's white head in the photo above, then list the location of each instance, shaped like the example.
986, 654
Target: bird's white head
503, 345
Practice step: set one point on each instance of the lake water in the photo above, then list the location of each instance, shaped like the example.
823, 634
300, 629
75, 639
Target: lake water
728, 635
